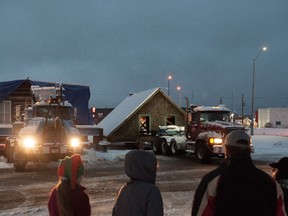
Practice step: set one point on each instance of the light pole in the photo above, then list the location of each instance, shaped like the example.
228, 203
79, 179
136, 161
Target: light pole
180, 96
253, 86
169, 78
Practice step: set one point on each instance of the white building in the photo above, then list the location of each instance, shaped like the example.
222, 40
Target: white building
273, 117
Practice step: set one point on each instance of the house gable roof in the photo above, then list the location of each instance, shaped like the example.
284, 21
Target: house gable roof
127, 108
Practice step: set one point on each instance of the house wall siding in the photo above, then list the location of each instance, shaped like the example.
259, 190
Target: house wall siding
273, 115
158, 108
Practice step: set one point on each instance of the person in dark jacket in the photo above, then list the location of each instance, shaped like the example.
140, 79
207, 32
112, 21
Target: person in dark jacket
139, 196
280, 174
239, 188
68, 197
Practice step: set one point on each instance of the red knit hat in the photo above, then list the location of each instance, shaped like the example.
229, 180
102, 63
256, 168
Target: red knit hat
71, 168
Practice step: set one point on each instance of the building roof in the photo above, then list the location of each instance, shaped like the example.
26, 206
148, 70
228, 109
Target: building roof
127, 108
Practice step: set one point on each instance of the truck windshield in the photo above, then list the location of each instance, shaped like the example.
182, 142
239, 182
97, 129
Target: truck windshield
215, 116
62, 112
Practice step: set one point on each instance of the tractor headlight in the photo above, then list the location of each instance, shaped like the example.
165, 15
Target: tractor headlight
213, 141
75, 142
29, 142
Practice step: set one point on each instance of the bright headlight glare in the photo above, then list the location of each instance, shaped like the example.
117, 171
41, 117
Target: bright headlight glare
29, 142
215, 141
75, 142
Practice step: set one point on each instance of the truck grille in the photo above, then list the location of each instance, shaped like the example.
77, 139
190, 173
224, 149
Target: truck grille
53, 134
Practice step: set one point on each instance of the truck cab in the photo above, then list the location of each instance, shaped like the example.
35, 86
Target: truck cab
207, 128
48, 133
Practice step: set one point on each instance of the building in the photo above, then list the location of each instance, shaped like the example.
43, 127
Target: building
16, 95
98, 114
273, 117
139, 115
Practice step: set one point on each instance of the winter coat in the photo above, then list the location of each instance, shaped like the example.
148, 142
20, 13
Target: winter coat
139, 196
241, 189
80, 202
203, 186
284, 185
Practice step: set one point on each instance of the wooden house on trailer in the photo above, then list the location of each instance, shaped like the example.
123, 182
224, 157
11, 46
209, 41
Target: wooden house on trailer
137, 118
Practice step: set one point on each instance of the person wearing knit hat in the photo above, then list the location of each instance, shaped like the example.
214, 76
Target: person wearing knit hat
280, 174
68, 197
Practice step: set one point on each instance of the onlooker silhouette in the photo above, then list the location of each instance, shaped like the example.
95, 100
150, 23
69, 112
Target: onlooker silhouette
239, 188
139, 196
68, 196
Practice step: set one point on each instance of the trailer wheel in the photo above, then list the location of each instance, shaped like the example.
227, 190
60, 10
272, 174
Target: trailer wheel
201, 153
174, 147
165, 148
156, 147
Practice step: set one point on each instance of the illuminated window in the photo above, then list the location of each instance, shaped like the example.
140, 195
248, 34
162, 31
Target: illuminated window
144, 124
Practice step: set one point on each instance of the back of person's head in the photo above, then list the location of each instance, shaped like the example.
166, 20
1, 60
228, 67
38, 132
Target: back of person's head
141, 165
237, 142
281, 168
70, 171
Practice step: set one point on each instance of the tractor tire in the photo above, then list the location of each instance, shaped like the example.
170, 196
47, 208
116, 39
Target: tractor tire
19, 166
201, 154
19, 163
9, 152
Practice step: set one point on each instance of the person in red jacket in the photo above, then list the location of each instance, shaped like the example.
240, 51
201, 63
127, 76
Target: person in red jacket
68, 196
238, 188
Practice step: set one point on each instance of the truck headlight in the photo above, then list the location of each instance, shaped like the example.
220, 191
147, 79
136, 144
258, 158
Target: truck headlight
29, 142
215, 141
75, 142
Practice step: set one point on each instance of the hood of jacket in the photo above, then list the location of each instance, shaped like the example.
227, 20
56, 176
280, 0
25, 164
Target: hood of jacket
141, 165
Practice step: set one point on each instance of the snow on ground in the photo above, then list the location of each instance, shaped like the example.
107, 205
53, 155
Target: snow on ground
270, 144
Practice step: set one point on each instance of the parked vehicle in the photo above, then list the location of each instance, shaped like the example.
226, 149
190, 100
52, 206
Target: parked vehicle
203, 135
48, 132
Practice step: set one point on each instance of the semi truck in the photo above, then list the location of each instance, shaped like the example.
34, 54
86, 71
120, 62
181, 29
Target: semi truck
46, 132
203, 135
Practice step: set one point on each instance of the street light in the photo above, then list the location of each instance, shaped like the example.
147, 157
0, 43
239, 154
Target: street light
180, 96
253, 78
169, 78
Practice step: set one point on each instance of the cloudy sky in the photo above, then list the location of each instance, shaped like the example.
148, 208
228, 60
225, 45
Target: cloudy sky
122, 46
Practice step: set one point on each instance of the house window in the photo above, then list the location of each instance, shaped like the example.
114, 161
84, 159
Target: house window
144, 124
278, 122
170, 120
5, 112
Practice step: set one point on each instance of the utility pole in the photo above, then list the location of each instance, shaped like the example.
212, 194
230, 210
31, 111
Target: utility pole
242, 114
